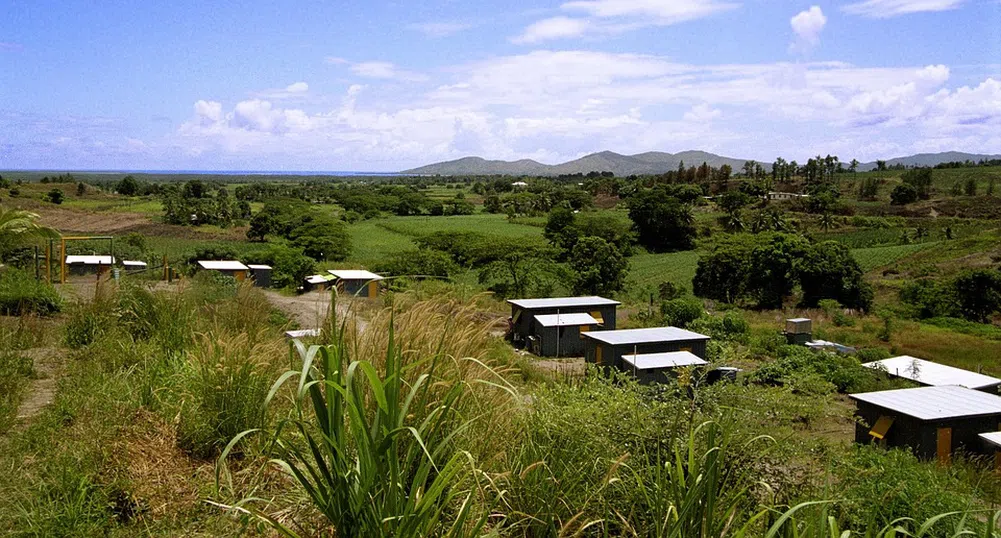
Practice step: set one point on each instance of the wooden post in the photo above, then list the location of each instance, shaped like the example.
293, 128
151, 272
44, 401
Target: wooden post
62, 261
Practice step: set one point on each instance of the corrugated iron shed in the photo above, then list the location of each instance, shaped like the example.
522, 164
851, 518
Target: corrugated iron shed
934, 403
659, 361
563, 302
222, 265
565, 320
993, 438
354, 274
90, 260
643, 336
933, 373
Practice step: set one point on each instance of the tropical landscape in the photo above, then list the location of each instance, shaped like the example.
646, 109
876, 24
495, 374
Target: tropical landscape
498, 333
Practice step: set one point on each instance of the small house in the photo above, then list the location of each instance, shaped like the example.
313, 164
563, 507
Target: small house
317, 282
88, 265
229, 268
934, 374
261, 274
606, 348
933, 421
559, 335
519, 184
357, 283
776, 196
134, 266
650, 368
524, 312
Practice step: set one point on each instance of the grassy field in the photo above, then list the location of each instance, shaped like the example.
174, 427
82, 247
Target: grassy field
878, 257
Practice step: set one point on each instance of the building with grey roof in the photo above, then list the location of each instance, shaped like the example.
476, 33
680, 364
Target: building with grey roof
606, 348
933, 421
934, 374
559, 335
524, 312
649, 368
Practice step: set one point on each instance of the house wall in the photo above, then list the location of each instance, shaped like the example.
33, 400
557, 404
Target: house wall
355, 288
262, 277
523, 328
612, 355
922, 436
556, 343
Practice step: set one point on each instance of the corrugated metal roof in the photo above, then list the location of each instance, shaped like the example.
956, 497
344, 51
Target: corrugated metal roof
563, 302
90, 260
645, 336
798, 320
319, 279
354, 274
222, 265
933, 373
934, 403
993, 438
659, 361
258, 266
565, 320
133, 263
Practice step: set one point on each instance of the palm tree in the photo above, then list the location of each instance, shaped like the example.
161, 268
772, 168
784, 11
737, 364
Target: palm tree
17, 226
826, 222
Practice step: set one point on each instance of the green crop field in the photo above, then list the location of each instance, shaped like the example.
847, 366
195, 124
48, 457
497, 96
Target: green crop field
875, 257
648, 271
485, 223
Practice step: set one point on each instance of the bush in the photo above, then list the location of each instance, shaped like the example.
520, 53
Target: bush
903, 195
423, 262
681, 312
21, 294
669, 290
845, 373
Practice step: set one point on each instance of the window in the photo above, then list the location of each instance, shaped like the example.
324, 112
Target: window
882, 426
597, 315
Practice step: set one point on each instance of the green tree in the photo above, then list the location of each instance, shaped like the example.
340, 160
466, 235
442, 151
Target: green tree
128, 186
560, 230
920, 179
421, 262
829, 271
903, 195
54, 196
662, 222
598, 267
18, 227
970, 188
322, 239
978, 293
773, 268
520, 269
81, 189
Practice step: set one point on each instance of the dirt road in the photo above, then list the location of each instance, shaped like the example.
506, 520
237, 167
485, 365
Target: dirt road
310, 309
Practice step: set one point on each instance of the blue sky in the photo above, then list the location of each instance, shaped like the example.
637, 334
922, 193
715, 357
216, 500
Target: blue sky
383, 86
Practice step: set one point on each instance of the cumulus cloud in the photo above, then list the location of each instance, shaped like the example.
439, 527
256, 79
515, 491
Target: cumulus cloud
807, 25
883, 9
606, 17
702, 113
297, 87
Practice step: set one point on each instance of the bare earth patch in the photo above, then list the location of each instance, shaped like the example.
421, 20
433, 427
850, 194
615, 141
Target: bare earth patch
42, 390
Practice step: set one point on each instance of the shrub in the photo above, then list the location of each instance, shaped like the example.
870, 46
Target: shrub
21, 294
669, 290
681, 312
903, 195
421, 262
845, 373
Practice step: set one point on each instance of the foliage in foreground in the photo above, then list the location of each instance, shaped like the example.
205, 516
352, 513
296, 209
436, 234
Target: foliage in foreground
21, 294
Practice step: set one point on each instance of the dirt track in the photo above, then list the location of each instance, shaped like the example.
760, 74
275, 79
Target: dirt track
310, 309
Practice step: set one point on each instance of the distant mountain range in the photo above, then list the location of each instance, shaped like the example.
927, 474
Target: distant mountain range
653, 162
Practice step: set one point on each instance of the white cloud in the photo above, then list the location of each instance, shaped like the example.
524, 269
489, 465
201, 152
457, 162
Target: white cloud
882, 9
297, 87
807, 25
606, 17
552, 28
702, 113
440, 29
377, 69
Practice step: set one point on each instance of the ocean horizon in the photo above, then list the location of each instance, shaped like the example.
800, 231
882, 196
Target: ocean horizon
338, 173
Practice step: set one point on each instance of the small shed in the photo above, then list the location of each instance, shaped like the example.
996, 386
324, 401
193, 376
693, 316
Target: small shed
302, 333
991, 442
134, 266
231, 268
559, 335
934, 374
317, 282
261, 275
88, 265
524, 312
606, 348
357, 283
799, 330
650, 368
933, 421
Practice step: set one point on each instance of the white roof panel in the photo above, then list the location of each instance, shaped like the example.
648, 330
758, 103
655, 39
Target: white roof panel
317, 279
90, 260
354, 274
302, 333
798, 320
933, 373
565, 320
249, 266
660, 361
993, 438
934, 403
133, 263
645, 336
563, 302
222, 265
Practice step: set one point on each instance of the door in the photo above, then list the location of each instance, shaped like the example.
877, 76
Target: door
944, 445
373, 288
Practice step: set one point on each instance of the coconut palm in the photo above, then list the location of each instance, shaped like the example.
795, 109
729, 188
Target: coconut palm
18, 226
